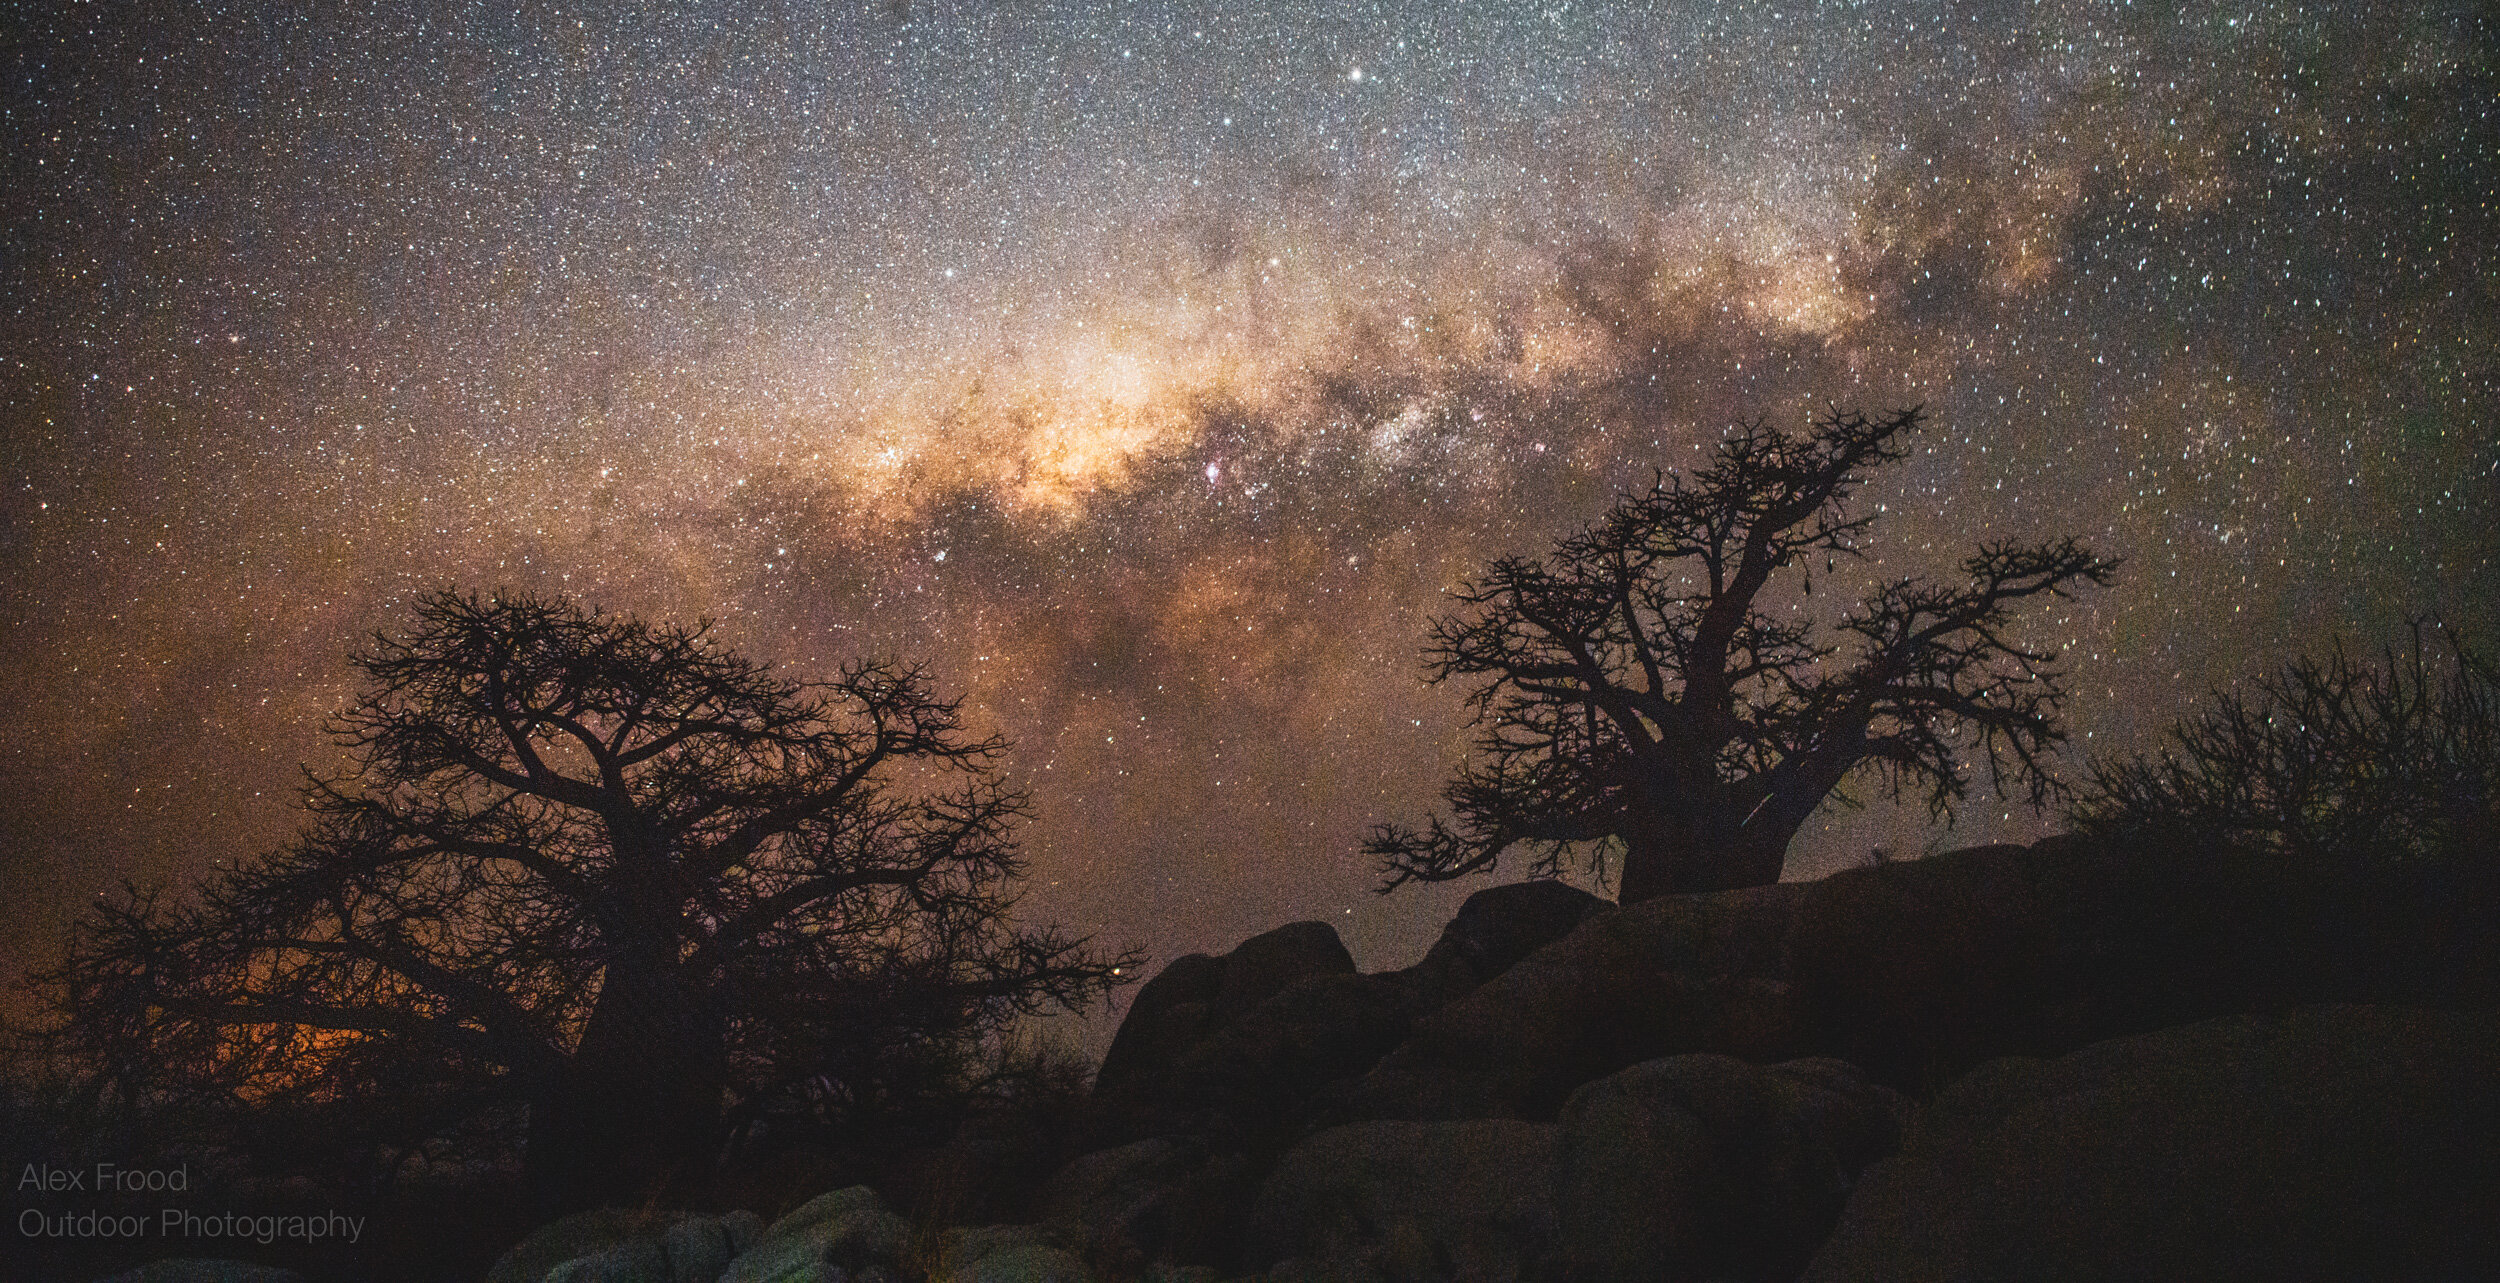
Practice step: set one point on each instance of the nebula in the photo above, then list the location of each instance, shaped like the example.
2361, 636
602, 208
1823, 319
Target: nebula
1151, 374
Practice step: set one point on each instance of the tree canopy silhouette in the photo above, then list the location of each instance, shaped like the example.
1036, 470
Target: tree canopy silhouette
1640, 698
604, 868
2331, 759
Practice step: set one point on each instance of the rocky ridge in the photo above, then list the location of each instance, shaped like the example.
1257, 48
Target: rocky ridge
2056, 1061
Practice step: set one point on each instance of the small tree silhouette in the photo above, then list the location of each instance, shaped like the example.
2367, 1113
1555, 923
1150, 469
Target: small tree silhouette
602, 868
1639, 699
2332, 759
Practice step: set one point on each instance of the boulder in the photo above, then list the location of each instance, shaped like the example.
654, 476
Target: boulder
197, 1269
1164, 1020
1702, 1166
1496, 928
1142, 1201
1409, 1201
1920, 969
1298, 1269
1196, 995
700, 1248
1267, 1068
1917, 971
1110, 1189
1666, 976
1281, 1060
964, 1246
1173, 1200
569, 1238
1025, 1263
1274, 1033
2332, 1142
847, 1234
1262, 966
684, 1249
636, 1260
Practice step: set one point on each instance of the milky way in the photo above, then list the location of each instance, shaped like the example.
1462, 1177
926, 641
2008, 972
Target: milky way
1151, 370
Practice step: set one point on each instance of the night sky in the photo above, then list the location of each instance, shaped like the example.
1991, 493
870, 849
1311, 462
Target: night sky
1151, 370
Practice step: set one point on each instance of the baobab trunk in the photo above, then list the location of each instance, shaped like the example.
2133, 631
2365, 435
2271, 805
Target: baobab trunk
637, 1107
1686, 859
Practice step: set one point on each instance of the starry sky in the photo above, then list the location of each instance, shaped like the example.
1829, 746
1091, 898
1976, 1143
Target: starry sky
1151, 370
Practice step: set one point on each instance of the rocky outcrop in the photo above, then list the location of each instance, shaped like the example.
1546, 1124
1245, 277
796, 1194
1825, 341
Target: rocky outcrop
1274, 1063
1693, 1087
1685, 1168
558, 1241
2322, 1143
1222, 1062
1705, 1167
1494, 929
1197, 995
694, 1249
1672, 975
850, 1236
1409, 1201
1266, 1034
1918, 971
1170, 1199
850, 1230
1023, 1263
611, 1245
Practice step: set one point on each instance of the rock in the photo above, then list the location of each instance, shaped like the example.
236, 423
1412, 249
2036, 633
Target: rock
1273, 1033
1028, 1263
1260, 967
965, 1245
2332, 1142
833, 1205
1125, 1195
1110, 1188
1496, 928
194, 1269
636, 1260
569, 1238
1666, 976
1166, 1017
1168, 1199
1918, 970
1702, 1166
1197, 995
1268, 1066
1408, 1201
700, 1248
849, 1231
684, 1249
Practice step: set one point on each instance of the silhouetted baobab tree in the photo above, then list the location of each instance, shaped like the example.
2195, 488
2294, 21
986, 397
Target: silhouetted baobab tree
602, 867
1639, 699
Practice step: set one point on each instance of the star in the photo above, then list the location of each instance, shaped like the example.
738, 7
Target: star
643, 307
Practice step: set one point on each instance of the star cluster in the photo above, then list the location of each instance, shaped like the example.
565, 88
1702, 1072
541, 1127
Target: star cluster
1151, 370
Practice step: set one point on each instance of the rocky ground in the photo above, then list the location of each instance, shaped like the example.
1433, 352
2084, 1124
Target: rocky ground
2053, 1062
